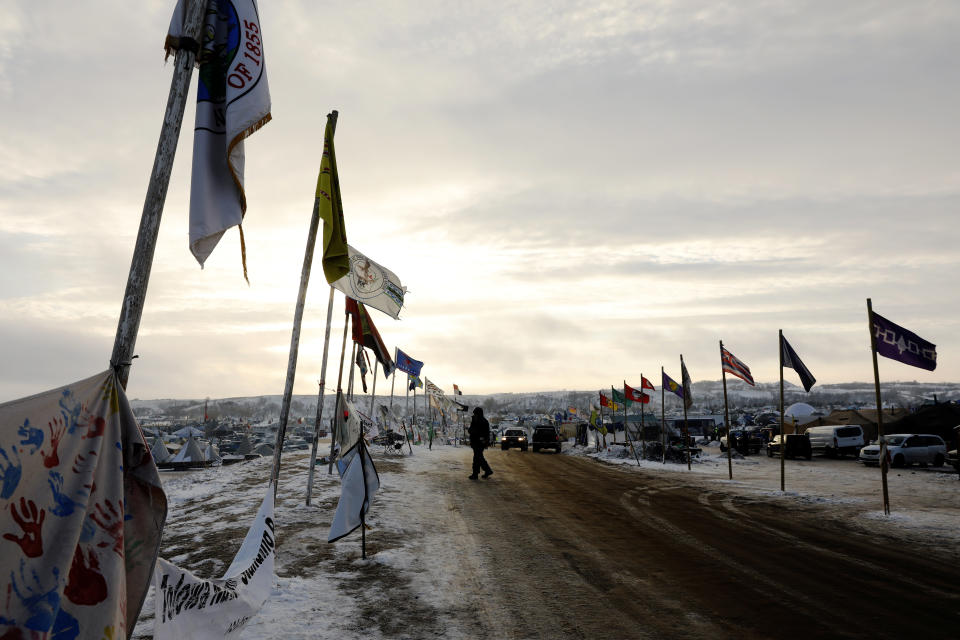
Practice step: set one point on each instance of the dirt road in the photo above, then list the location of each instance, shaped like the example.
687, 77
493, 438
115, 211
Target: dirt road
578, 549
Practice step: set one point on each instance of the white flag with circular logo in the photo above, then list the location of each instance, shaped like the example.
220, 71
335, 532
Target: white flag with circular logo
372, 284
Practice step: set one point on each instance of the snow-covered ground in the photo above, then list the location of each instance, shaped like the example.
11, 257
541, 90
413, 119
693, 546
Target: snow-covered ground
924, 501
420, 575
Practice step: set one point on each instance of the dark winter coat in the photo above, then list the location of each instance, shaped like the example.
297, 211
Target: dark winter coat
479, 429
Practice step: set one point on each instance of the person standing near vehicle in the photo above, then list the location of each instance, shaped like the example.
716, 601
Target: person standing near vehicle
479, 433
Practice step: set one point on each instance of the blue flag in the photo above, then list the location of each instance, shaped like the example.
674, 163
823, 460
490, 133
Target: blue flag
407, 364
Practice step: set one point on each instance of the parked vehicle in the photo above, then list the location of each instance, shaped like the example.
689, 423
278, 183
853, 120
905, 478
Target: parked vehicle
953, 460
514, 438
546, 436
745, 442
905, 449
798, 446
836, 440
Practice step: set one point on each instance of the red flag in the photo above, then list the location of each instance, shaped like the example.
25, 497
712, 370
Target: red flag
635, 395
366, 335
604, 401
646, 384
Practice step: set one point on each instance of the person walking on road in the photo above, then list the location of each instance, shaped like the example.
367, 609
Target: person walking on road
479, 434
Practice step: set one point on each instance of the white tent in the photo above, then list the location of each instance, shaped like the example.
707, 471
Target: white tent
159, 451
189, 452
188, 432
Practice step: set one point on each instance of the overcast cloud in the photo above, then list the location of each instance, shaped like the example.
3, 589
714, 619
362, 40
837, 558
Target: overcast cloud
574, 192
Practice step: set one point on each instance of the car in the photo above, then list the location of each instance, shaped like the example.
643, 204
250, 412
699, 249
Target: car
836, 440
904, 449
546, 436
798, 446
953, 460
514, 438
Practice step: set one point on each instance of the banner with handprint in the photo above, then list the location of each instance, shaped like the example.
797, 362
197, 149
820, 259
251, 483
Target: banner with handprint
192, 608
81, 513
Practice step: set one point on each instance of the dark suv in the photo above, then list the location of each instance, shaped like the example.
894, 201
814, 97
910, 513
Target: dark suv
514, 438
546, 436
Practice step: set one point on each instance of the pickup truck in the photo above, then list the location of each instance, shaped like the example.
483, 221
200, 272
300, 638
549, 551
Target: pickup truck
546, 437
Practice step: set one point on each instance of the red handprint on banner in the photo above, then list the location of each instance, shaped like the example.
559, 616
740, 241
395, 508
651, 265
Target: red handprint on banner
56, 427
111, 521
30, 520
85, 584
96, 427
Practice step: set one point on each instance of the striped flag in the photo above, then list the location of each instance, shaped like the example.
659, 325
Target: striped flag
734, 366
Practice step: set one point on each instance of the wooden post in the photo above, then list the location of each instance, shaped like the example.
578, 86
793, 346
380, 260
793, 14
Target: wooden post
323, 382
373, 390
353, 364
643, 426
626, 428
880, 438
336, 406
726, 414
663, 422
686, 428
131, 310
295, 334
783, 435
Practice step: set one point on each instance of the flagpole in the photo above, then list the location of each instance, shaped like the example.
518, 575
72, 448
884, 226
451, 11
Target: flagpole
876, 383
353, 364
131, 309
363, 524
393, 379
601, 424
686, 428
323, 382
726, 414
373, 390
626, 429
643, 427
336, 406
295, 334
663, 421
783, 435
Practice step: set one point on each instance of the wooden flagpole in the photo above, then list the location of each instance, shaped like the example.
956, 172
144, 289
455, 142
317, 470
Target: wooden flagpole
353, 366
393, 378
686, 428
880, 438
295, 334
626, 428
726, 414
323, 382
663, 421
783, 435
131, 310
336, 406
643, 427
373, 390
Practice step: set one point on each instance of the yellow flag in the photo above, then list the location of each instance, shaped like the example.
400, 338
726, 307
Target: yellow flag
336, 261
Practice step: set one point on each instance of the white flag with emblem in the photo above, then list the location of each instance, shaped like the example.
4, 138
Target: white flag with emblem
372, 284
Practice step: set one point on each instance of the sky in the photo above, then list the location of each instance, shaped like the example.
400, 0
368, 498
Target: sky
574, 193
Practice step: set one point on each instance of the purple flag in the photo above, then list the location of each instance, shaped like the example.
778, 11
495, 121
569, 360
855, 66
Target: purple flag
896, 343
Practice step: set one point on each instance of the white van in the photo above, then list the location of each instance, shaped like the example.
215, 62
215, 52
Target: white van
834, 440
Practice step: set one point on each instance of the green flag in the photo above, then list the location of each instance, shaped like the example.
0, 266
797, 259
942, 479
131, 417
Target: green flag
336, 260
619, 397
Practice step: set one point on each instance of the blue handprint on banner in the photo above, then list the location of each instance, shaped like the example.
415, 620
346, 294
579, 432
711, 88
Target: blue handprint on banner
31, 436
64, 504
41, 604
10, 472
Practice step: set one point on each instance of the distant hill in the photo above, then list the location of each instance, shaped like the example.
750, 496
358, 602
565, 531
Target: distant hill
708, 398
